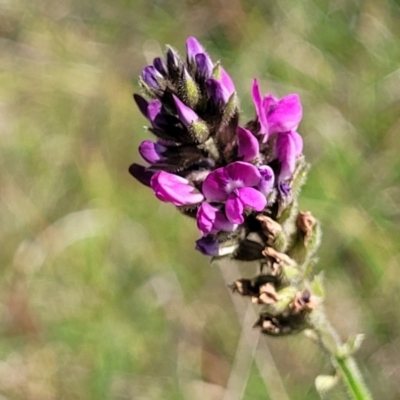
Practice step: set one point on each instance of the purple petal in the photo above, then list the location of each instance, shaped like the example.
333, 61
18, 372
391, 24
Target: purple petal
227, 82
287, 114
242, 174
172, 58
216, 91
206, 215
252, 198
260, 111
208, 246
174, 189
286, 154
193, 47
211, 220
267, 179
214, 186
269, 103
185, 113
234, 209
160, 66
142, 174
151, 152
284, 189
204, 65
153, 111
150, 76
298, 142
248, 147
142, 104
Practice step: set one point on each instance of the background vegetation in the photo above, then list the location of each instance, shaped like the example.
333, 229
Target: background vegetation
102, 295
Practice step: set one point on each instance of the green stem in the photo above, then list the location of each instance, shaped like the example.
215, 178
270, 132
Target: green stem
344, 364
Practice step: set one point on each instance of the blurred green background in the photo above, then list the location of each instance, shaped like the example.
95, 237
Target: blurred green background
102, 295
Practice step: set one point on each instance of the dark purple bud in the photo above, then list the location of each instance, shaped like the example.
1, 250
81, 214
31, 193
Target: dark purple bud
204, 65
160, 66
216, 91
208, 246
142, 174
172, 59
142, 104
150, 76
284, 189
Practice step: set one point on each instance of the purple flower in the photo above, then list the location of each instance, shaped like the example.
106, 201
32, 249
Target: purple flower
208, 246
234, 185
267, 179
274, 115
220, 89
248, 147
226, 82
154, 114
174, 189
211, 220
152, 152
160, 66
196, 54
150, 76
288, 147
185, 113
261, 114
204, 65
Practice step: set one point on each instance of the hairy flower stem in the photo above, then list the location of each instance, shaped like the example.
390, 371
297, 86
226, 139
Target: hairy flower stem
340, 356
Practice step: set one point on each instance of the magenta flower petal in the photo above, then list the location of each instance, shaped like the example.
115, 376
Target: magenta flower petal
193, 47
267, 179
214, 186
234, 209
206, 216
298, 142
252, 198
260, 110
185, 113
248, 147
287, 114
286, 154
211, 220
174, 189
227, 82
242, 174
151, 152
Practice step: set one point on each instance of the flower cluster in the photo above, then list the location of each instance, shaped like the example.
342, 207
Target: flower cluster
239, 181
204, 162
